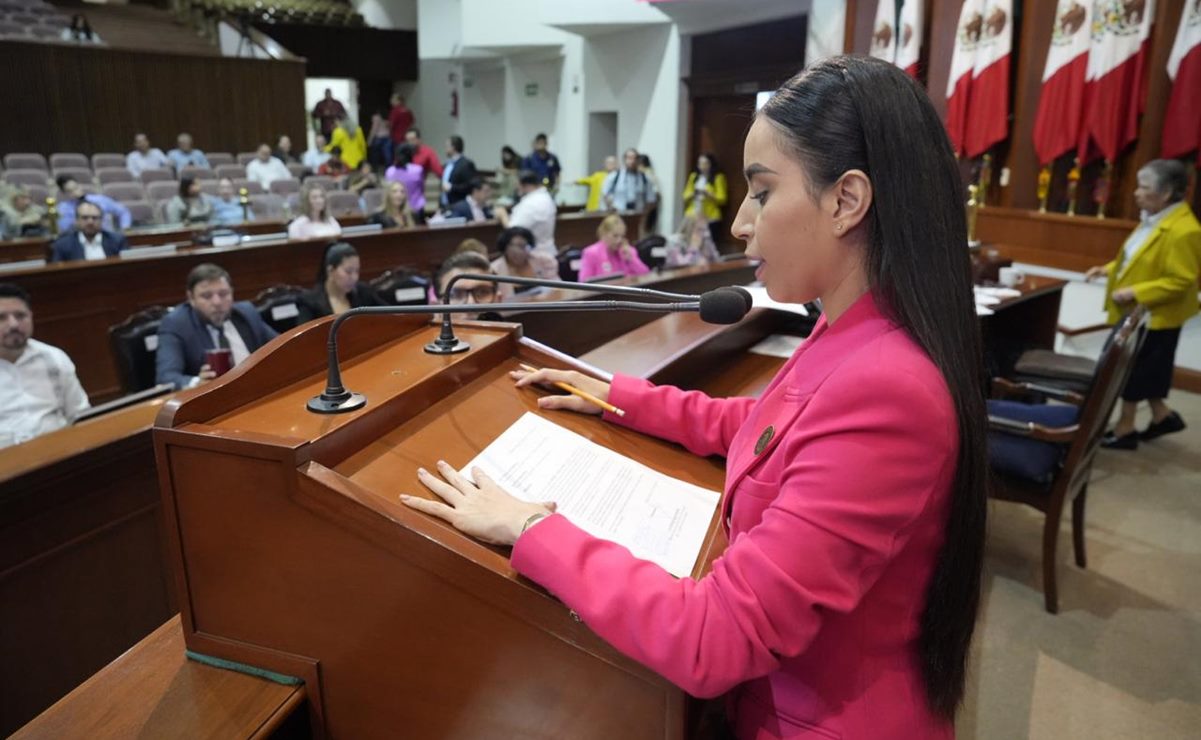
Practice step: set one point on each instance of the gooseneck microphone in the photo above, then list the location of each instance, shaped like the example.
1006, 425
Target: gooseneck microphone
720, 306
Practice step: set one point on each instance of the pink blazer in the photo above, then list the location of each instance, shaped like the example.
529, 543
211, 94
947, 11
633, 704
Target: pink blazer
596, 261
810, 619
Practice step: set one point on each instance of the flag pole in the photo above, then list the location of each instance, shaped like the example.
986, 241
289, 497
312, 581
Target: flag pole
1101, 189
984, 179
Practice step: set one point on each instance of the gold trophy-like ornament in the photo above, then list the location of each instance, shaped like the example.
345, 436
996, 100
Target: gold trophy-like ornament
1044, 188
1073, 181
973, 206
244, 200
52, 215
985, 180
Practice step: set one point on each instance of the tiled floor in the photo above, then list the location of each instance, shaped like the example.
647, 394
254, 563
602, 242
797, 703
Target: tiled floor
1122, 659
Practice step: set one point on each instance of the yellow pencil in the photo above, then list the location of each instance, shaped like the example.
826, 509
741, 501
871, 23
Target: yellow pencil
577, 392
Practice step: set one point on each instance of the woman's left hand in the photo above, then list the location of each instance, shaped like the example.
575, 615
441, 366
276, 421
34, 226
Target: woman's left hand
479, 508
1123, 295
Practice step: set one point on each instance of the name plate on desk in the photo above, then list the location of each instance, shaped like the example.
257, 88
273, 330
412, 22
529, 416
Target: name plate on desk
22, 265
137, 253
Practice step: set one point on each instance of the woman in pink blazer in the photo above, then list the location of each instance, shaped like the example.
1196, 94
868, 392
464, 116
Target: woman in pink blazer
611, 254
854, 496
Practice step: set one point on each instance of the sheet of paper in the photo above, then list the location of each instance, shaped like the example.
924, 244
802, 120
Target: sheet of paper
778, 345
608, 495
760, 299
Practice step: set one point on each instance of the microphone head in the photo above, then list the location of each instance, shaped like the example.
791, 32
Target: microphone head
724, 306
746, 295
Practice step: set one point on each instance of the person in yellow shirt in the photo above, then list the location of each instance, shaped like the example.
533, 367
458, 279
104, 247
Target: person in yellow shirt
348, 136
596, 183
1157, 268
705, 193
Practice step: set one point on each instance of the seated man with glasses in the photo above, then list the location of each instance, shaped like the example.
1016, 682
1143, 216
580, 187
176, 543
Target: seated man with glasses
87, 241
467, 291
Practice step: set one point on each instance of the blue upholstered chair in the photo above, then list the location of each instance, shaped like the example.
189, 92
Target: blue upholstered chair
1042, 454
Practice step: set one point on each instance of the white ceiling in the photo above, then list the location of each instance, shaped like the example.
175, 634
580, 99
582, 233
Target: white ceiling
703, 16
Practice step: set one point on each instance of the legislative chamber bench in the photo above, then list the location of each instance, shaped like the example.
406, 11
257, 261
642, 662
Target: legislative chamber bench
75, 303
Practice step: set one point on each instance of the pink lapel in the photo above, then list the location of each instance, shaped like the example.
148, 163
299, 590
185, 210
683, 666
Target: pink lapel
789, 392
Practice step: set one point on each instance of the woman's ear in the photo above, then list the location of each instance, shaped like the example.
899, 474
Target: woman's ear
852, 199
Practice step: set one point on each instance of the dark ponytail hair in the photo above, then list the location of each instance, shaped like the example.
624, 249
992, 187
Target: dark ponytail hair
848, 113
335, 254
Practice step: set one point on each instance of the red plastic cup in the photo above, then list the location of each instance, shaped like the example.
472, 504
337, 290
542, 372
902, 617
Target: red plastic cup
220, 361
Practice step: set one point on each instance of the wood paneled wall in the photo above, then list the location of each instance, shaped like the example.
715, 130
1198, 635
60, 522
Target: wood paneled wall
1032, 34
63, 98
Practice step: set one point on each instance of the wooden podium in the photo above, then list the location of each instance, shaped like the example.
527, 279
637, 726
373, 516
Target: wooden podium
293, 553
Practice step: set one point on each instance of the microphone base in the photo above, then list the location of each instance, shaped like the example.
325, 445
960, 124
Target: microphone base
339, 404
443, 347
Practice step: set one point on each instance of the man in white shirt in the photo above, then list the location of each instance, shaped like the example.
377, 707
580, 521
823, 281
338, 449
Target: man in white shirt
535, 211
144, 157
317, 156
266, 169
87, 241
39, 391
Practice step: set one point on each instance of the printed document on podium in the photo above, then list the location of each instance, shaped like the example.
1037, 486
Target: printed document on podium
608, 495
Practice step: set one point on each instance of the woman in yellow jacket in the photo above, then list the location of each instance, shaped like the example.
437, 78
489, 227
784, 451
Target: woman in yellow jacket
1157, 268
349, 137
705, 193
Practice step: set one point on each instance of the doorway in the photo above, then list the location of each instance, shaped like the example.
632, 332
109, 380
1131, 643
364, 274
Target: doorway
602, 138
719, 125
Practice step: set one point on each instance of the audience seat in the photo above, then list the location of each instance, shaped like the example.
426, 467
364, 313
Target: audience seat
569, 264
161, 190
402, 287
253, 187
342, 203
134, 342
209, 187
197, 173
59, 160
279, 306
285, 187
107, 175
217, 159
38, 193
25, 161
108, 159
373, 200
141, 212
82, 175
26, 177
47, 31
157, 175
230, 170
125, 192
652, 251
244, 158
11, 30
298, 170
326, 182
267, 207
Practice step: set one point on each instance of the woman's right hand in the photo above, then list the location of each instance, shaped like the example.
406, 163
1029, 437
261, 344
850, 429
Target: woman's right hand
1095, 272
567, 401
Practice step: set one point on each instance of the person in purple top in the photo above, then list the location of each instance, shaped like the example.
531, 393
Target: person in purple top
412, 176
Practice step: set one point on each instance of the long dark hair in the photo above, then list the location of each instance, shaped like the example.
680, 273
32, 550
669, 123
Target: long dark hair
848, 113
335, 254
713, 169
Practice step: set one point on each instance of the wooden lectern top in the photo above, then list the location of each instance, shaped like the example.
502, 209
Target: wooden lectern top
295, 555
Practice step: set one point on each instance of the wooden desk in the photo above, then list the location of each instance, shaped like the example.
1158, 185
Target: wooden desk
1028, 321
154, 691
75, 303
82, 570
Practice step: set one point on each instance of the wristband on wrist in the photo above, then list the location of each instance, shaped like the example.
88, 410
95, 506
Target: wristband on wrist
534, 519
